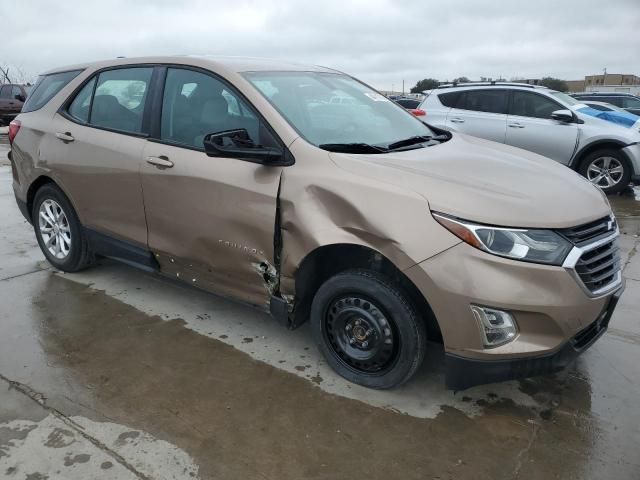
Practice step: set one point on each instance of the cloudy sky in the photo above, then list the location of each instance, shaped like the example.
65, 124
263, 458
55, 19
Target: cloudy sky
382, 42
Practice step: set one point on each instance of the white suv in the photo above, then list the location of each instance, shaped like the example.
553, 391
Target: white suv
543, 121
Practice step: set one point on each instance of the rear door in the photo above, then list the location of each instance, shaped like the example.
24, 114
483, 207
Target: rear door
530, 126
481, 113
97, 148
211, 220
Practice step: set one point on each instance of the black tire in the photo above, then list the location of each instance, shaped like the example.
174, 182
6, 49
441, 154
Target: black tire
622, 181
79, 254
337, 307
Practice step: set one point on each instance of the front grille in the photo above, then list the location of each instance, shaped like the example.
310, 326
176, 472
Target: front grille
589, 231
600, 266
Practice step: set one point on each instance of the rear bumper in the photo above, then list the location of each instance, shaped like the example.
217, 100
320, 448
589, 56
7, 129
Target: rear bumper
462, 373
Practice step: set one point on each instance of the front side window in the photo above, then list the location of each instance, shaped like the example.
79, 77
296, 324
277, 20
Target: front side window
489, 101
46, 88
332, 108
119, 99
630, 102
527, 104
16, 91
5, 92
196, 104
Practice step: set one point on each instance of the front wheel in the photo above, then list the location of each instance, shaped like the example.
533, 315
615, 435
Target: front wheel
367, 329
607, 169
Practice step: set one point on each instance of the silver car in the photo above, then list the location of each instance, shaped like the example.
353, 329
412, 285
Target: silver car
543, 121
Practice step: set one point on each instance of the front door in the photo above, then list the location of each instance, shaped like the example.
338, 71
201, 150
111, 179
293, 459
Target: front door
530, 126
211, 220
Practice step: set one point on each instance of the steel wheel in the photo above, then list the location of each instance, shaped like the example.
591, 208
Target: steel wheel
360, 334
605, 172
54, 229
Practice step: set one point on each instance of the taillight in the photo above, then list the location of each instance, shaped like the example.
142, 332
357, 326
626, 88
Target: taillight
14, 127
417, 112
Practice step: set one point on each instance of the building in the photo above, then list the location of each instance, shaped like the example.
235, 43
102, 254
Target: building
592, 82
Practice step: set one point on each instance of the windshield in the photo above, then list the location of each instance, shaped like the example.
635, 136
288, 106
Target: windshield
563, 97
331, 108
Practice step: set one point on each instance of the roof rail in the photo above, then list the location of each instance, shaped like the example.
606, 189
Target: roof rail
489, 84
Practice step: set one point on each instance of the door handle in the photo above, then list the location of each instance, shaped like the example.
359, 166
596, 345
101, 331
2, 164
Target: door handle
516, 125
65, 137
457, 120
160, 162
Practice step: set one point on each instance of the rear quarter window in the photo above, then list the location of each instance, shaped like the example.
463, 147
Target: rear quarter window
449, 99
46, 88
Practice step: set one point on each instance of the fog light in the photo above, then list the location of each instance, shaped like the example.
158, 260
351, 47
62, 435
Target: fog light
496, 326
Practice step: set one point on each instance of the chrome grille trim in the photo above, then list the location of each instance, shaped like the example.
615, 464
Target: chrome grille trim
573, 264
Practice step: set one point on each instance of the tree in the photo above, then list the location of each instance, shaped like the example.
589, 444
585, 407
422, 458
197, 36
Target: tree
461, 80
554, 84
425, 84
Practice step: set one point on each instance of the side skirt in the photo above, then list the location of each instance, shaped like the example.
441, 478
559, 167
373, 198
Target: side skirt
122, 251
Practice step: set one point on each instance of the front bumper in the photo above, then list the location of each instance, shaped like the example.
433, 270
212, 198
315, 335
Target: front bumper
462, 373
549, 304
633, 154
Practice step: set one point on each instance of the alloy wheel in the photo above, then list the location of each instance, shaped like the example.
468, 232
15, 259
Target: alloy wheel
605, 172
54, 229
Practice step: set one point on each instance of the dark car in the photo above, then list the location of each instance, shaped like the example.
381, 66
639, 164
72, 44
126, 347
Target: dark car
629, 102
408, 103
12, 97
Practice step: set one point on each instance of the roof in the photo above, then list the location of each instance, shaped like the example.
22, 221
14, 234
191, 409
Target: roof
604, 94
236, 64
490, 84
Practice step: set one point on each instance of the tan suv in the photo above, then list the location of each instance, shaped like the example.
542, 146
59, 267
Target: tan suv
242, 177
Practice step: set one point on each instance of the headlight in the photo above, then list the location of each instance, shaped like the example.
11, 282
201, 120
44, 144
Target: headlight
539, 246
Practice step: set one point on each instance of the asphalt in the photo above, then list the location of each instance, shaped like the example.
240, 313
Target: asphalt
116, 373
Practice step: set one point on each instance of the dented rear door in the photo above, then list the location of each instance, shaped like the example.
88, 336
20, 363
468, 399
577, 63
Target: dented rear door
210, 220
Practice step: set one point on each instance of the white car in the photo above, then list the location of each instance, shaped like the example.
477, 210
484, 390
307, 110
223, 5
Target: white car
543, 121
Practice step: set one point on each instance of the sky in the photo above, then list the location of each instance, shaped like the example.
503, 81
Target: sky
381, 42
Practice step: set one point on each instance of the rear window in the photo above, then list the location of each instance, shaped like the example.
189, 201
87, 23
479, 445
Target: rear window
46, 88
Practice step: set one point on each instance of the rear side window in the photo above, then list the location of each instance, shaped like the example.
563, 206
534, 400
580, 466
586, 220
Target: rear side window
449, 99
46, 88
489, 101
15, 91
526, 104
119, 99
5, 92
79, 108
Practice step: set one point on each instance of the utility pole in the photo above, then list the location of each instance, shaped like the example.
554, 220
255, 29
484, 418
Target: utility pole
604, 77
403, 88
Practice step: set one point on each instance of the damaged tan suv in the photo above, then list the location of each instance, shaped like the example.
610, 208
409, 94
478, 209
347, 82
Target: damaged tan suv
246, 178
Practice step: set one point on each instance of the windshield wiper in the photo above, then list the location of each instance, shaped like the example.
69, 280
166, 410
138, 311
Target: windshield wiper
415, 140
352, 148
409, 141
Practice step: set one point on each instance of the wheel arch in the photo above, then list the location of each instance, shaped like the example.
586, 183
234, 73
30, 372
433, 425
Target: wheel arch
328, 260
33, 189
579, 157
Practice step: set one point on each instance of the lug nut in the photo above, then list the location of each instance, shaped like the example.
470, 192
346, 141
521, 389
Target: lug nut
365, 344
348, 327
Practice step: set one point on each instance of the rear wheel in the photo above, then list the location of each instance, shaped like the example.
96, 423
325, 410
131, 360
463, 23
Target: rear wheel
607, 169
367, 329
58, 230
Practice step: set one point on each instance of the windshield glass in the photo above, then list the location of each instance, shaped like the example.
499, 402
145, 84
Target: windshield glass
330, 108
563, 97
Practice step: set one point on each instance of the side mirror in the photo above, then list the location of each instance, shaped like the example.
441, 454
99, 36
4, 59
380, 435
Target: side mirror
20, 97
238, 144
565, 116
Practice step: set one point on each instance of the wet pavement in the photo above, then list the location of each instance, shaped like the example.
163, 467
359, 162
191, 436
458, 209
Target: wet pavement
115, 373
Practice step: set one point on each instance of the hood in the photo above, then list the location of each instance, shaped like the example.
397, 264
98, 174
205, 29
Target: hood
487, 182
624, 119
